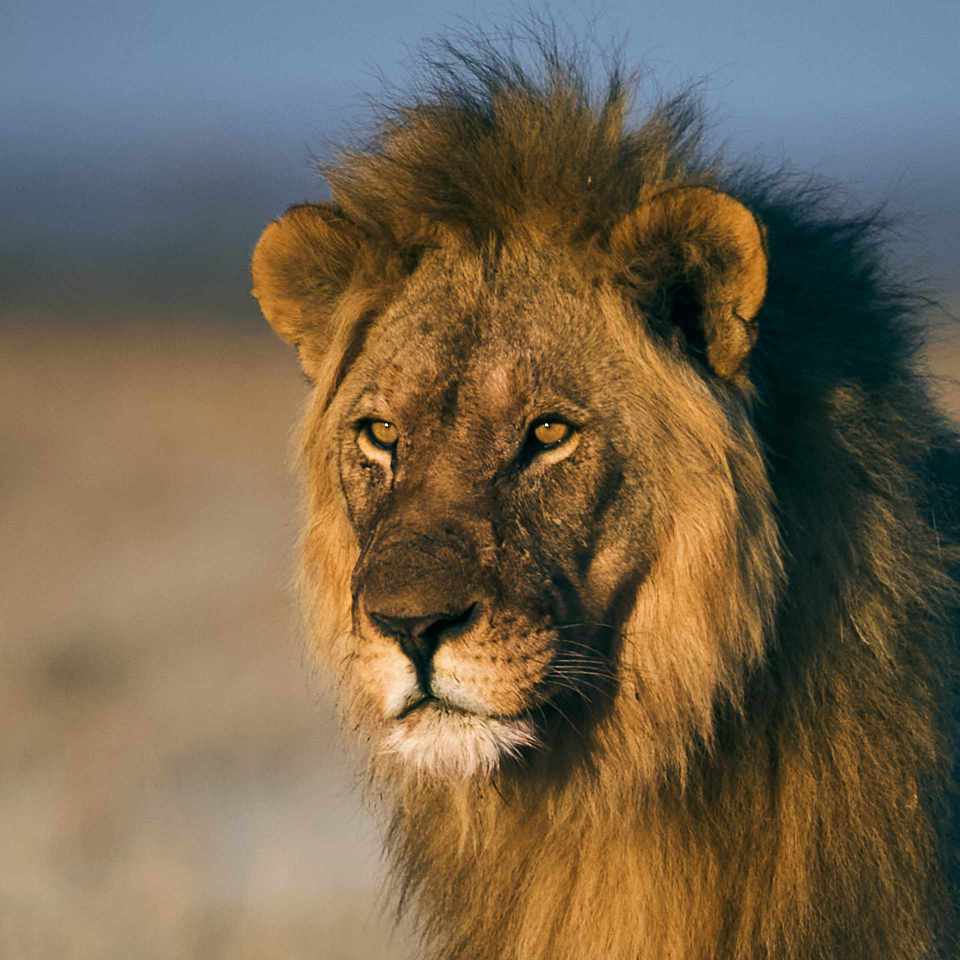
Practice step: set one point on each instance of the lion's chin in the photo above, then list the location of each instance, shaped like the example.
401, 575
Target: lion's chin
446, 743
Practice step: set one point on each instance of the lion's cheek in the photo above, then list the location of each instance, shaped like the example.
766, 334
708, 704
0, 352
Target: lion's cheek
487, 679
614, 568
386, 679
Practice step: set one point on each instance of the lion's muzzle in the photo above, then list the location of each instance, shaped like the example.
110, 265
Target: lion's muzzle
457, 677
420, 636
422, 589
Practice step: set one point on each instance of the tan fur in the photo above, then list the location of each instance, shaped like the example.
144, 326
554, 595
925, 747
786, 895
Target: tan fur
739, 745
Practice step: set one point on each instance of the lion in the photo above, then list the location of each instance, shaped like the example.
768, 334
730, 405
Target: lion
631, 537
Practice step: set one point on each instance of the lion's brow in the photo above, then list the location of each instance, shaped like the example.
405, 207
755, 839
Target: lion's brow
354, 348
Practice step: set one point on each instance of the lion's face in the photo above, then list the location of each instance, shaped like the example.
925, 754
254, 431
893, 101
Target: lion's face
507, 476
497, 457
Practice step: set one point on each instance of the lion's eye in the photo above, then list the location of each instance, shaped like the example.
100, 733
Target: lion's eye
382, 433
550, 433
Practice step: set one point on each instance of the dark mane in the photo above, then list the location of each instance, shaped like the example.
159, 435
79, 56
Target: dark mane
484, 143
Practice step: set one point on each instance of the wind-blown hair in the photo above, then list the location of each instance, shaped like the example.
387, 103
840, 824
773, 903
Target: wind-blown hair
487, 145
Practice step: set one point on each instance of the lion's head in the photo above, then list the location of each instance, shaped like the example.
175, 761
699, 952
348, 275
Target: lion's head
493, 441
629, 533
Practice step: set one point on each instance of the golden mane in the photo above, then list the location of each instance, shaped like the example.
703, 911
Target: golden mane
809, 588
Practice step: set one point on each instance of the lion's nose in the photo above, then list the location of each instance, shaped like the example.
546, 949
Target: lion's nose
420, 636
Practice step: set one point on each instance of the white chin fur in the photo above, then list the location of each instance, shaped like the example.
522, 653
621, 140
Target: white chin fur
456, 746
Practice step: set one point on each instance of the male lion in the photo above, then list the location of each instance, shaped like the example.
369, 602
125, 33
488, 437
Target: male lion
630, 533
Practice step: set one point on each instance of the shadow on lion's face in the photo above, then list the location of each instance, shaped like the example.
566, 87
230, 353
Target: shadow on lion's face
510, 464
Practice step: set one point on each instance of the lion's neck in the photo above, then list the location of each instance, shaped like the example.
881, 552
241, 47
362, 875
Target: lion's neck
587, 891
739, 866
508, 877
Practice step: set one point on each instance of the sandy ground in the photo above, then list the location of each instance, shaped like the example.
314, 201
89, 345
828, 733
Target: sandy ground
173, 783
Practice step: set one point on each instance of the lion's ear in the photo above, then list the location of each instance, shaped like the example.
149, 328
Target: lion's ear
302, 264
695, 260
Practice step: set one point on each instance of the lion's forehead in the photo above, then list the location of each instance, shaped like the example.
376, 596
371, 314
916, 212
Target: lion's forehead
495, 361
499, 388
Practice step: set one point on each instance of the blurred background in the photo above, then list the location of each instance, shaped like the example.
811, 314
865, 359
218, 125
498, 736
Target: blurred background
173, 784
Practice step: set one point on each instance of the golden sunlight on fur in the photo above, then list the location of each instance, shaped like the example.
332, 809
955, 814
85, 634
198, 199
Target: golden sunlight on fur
632, 533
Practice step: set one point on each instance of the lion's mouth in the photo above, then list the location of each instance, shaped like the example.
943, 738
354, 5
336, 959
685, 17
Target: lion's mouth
429, 701
426, 701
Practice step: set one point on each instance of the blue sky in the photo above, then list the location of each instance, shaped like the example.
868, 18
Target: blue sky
117, 99
174, 64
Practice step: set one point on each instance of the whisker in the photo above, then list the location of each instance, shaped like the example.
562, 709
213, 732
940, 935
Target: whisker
595, 681
584, 669
587, 692
584, 623
598, 679
591, 649
572, 725
573, 688
579, 682
581, 644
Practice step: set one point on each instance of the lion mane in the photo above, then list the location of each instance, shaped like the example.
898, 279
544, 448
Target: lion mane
746, 752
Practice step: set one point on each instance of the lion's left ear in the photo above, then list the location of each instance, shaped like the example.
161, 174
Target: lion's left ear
694, 258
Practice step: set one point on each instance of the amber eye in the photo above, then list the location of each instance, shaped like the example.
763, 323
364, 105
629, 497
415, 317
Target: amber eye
382, 433
551, 433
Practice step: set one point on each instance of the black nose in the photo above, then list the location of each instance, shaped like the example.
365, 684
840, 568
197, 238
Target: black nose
420, 636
